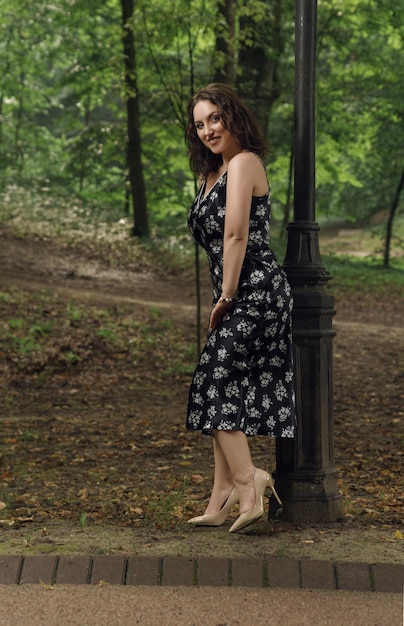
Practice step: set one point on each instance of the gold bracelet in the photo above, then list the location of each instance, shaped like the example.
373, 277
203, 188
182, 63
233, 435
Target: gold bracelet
223, 299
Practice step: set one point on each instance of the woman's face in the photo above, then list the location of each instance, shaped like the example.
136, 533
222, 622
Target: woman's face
211, 131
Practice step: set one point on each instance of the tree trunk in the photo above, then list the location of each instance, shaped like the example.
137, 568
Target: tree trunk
224, 61
141, 225
389, 228
83, 146
6, 70
19, 144
260, 48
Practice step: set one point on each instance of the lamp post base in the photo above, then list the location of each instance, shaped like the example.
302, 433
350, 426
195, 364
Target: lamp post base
307, 501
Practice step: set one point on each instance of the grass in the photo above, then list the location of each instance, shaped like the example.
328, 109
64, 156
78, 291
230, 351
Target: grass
74, 343
352, 274
166, 507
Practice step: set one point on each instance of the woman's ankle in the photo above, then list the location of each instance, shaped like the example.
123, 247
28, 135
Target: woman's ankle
246, 489
219, 497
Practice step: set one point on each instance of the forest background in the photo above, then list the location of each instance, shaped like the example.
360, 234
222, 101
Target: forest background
93, 99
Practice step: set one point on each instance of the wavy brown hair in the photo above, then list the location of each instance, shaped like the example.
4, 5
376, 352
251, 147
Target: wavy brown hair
235, 116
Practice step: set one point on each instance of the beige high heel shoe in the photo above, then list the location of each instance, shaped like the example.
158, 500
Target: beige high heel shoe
262, 480
217, 519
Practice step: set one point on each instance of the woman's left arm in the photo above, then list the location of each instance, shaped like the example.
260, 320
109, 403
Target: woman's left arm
241, 177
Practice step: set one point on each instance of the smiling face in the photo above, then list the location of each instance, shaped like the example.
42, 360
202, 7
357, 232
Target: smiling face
211, 131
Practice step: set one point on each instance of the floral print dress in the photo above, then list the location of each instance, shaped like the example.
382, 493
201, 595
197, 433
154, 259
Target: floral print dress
244, 377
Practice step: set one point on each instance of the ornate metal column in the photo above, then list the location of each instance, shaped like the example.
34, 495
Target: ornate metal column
305, 474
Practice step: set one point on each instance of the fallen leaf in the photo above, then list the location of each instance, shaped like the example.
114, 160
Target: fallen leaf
83, 494
197, 478
136, 509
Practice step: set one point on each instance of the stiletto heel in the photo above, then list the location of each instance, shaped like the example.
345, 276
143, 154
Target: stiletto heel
271, 485
217, 519
262, 480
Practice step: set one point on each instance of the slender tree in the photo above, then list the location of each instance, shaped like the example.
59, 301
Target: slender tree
224, 60
134, 159
260, 48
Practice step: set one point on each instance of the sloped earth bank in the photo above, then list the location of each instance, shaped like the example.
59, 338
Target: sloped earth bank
98, 460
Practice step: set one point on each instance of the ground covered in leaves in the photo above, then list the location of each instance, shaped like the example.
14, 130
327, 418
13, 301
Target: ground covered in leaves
95, 364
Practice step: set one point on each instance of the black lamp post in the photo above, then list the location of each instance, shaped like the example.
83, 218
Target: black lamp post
305, 473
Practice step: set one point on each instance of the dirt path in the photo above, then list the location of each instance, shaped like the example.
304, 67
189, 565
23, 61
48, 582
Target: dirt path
37, 264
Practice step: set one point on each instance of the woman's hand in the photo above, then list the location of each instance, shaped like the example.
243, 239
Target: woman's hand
218, 312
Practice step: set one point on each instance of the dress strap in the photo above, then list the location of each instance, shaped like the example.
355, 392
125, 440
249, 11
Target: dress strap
200, 194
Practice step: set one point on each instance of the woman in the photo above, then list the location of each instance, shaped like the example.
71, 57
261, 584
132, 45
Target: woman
243, 384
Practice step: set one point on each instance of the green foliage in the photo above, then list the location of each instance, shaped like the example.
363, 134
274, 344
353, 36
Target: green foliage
62, 104
83, 521
360, 110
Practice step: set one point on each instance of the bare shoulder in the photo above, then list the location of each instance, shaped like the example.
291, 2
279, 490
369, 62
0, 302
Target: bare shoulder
245, 159
248, 164
248, 167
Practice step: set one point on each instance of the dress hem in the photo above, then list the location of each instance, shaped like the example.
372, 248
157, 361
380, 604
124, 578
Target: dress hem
210, 432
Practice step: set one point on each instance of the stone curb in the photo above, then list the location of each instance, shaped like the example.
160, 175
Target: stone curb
202, 571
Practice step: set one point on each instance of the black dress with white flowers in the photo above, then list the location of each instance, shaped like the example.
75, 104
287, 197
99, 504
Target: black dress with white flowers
244, 378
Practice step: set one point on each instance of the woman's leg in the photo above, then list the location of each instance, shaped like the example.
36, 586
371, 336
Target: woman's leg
240, 469
222, 482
